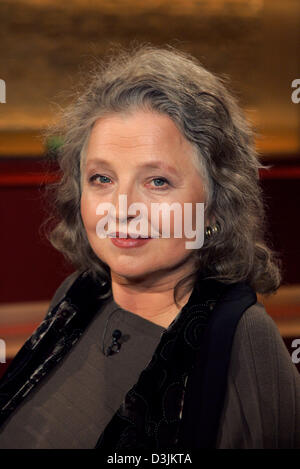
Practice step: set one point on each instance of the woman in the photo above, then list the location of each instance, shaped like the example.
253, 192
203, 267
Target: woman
175, 351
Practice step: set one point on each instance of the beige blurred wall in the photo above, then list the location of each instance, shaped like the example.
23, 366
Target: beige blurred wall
46, 45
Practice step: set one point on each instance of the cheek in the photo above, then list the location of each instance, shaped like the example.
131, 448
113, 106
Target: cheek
84, 210
88, 211
173, 222
172, 248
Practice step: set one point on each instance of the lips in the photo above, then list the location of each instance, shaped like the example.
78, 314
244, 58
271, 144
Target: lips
129, 242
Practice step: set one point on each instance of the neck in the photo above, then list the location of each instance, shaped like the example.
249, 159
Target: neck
152, 300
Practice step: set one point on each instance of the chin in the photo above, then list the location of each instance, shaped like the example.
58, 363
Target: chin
132, 271
133, 267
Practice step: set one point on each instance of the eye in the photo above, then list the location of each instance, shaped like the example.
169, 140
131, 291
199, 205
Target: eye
162, 182
100, 178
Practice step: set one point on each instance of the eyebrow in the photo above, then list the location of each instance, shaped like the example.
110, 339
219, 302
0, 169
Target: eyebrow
151, 164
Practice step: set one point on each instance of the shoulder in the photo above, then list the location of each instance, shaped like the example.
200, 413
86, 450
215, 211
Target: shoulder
259, 348
63, 288
257, 329
261, 407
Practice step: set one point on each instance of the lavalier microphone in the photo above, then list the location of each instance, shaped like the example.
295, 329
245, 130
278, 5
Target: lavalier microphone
115, 345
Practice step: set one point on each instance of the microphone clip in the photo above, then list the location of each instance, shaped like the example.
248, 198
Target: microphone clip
115, 345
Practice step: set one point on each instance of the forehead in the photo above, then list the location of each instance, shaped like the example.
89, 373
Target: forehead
140, 132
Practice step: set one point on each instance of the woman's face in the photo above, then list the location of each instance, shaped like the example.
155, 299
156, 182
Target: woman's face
145, 156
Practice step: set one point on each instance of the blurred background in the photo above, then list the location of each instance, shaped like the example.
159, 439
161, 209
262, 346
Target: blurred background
45, 45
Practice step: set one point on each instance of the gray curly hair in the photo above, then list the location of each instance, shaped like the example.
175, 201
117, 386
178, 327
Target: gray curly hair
176, 84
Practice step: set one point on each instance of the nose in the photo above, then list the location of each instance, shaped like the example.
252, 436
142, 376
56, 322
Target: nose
124, 196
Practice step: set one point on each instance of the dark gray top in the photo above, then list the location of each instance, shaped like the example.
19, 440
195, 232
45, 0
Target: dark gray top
72, 406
